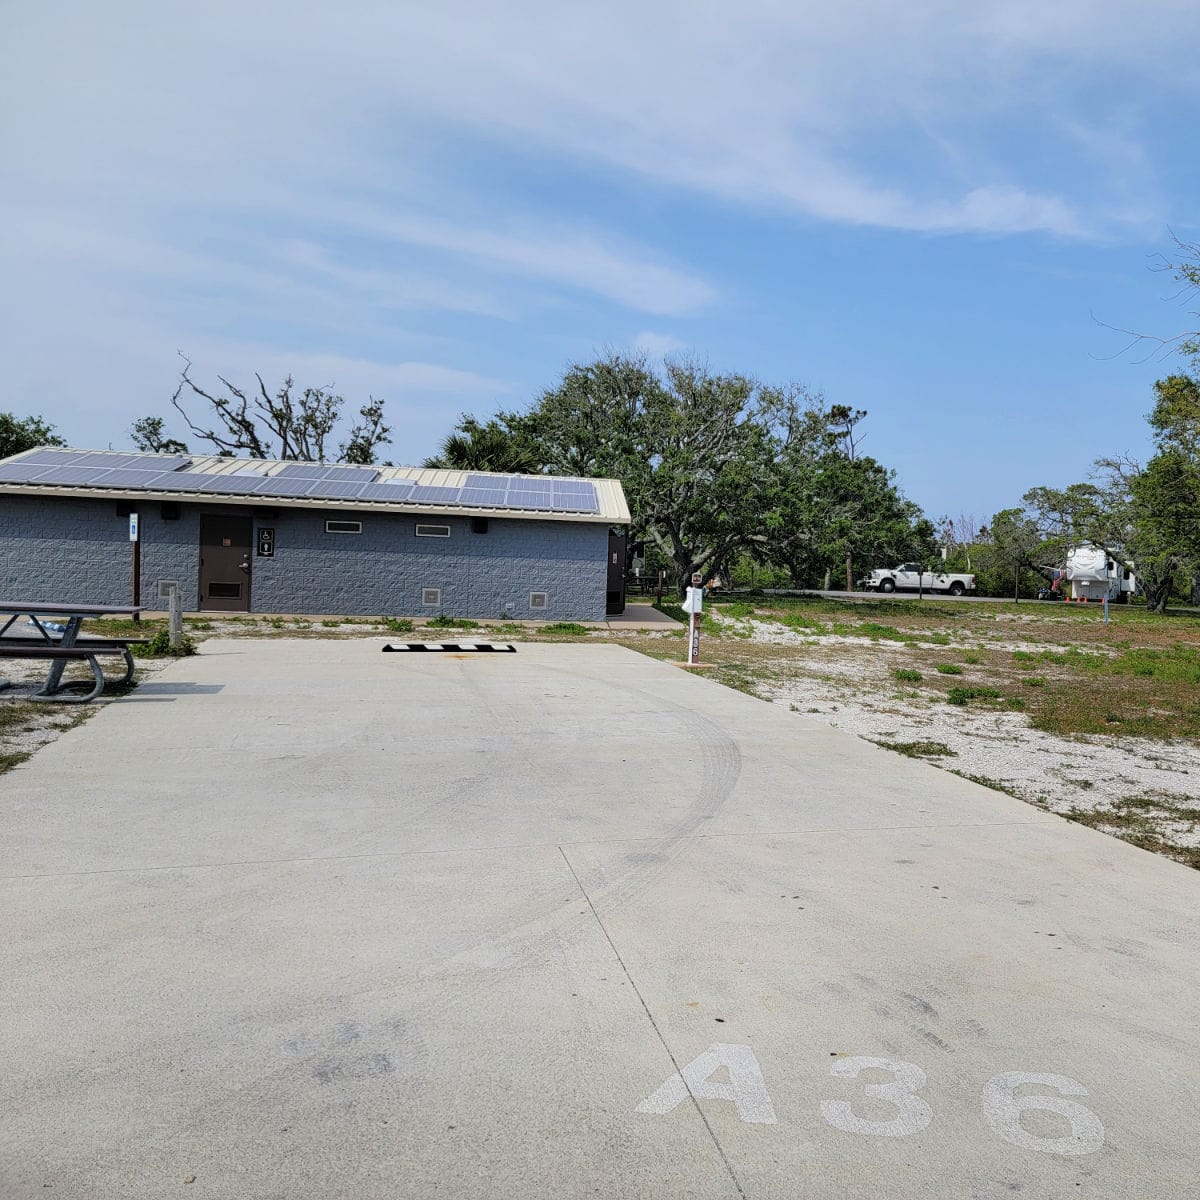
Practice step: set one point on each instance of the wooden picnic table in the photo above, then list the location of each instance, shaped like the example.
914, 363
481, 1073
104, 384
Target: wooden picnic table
51, 640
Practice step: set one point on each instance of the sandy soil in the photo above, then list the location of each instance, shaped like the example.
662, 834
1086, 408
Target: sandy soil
847, 682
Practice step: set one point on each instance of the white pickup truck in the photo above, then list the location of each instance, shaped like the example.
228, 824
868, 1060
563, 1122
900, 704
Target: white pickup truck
908, 577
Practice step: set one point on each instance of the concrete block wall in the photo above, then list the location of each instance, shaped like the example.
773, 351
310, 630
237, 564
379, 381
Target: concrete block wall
384, 569
78, 550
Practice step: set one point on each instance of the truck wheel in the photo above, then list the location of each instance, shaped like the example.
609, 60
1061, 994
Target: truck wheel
957, 588
887, 585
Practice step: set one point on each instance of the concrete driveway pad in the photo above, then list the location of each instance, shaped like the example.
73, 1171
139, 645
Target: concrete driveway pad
301, 919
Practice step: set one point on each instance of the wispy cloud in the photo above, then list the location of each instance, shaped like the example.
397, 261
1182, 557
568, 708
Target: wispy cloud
396, 184
656, 345
587, 261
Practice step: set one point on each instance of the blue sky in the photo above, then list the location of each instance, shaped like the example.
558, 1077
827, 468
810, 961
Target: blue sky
928, 211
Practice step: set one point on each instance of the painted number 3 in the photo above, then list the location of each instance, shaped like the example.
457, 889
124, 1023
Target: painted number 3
1003, 1105
912, 1113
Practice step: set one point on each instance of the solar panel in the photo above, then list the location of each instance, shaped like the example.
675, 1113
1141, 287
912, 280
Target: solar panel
345, 473
577, 504
76, 475
20, 472
435, 495
104, 458
484, 497
492, 481
528, 499
394, 492
126, 478
235, 484
49, 458
302, 470
184, 481
144, 462
273, 485
333, 489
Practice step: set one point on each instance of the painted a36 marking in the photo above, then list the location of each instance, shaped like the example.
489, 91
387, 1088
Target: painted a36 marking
746, 1090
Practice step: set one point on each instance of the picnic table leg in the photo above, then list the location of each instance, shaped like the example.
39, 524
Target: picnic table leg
62, 697
129, 668
54, 676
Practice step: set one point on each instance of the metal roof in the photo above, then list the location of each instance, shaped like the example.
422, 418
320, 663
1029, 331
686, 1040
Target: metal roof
107, 474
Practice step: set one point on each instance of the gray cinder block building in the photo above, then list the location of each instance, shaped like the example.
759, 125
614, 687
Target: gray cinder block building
249, 535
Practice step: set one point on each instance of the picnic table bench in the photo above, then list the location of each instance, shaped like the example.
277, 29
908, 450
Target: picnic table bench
61, 649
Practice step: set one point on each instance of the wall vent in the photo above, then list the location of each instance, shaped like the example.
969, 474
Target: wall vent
431, 597
539, 600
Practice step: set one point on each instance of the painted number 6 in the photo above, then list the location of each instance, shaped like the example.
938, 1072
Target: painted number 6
912, 1113
1002, 1108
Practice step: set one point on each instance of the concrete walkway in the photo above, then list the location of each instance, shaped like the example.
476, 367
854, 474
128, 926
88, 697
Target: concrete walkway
301, 919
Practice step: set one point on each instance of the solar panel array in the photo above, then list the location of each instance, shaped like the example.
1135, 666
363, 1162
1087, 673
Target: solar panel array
168, 473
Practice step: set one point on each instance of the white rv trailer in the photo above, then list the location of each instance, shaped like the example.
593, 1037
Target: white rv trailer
1092, 574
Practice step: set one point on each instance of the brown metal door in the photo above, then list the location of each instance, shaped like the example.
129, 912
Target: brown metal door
225, 563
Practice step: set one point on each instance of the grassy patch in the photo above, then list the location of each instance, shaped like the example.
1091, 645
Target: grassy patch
1137, 820
907, 675
878, 632
442, 622
13, 758
394, 624
17, 716
738, 610
964, 695
567, 628
949, 669
997, 785
920, 749
801, 620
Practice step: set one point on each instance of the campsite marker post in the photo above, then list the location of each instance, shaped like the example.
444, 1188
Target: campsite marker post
693, 605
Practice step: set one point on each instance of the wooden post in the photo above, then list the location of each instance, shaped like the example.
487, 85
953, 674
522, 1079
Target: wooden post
175, 617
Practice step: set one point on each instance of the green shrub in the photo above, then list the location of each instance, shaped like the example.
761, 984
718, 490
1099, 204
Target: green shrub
949, 669
441, 622
573, 628
907, 675
159, 646
391, 624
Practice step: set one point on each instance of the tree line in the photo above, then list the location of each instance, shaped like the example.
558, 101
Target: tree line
731, 478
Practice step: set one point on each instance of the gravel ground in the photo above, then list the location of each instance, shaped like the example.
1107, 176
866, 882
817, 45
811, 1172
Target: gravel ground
847, 683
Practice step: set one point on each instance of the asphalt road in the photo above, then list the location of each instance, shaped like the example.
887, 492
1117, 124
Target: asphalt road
301, 919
